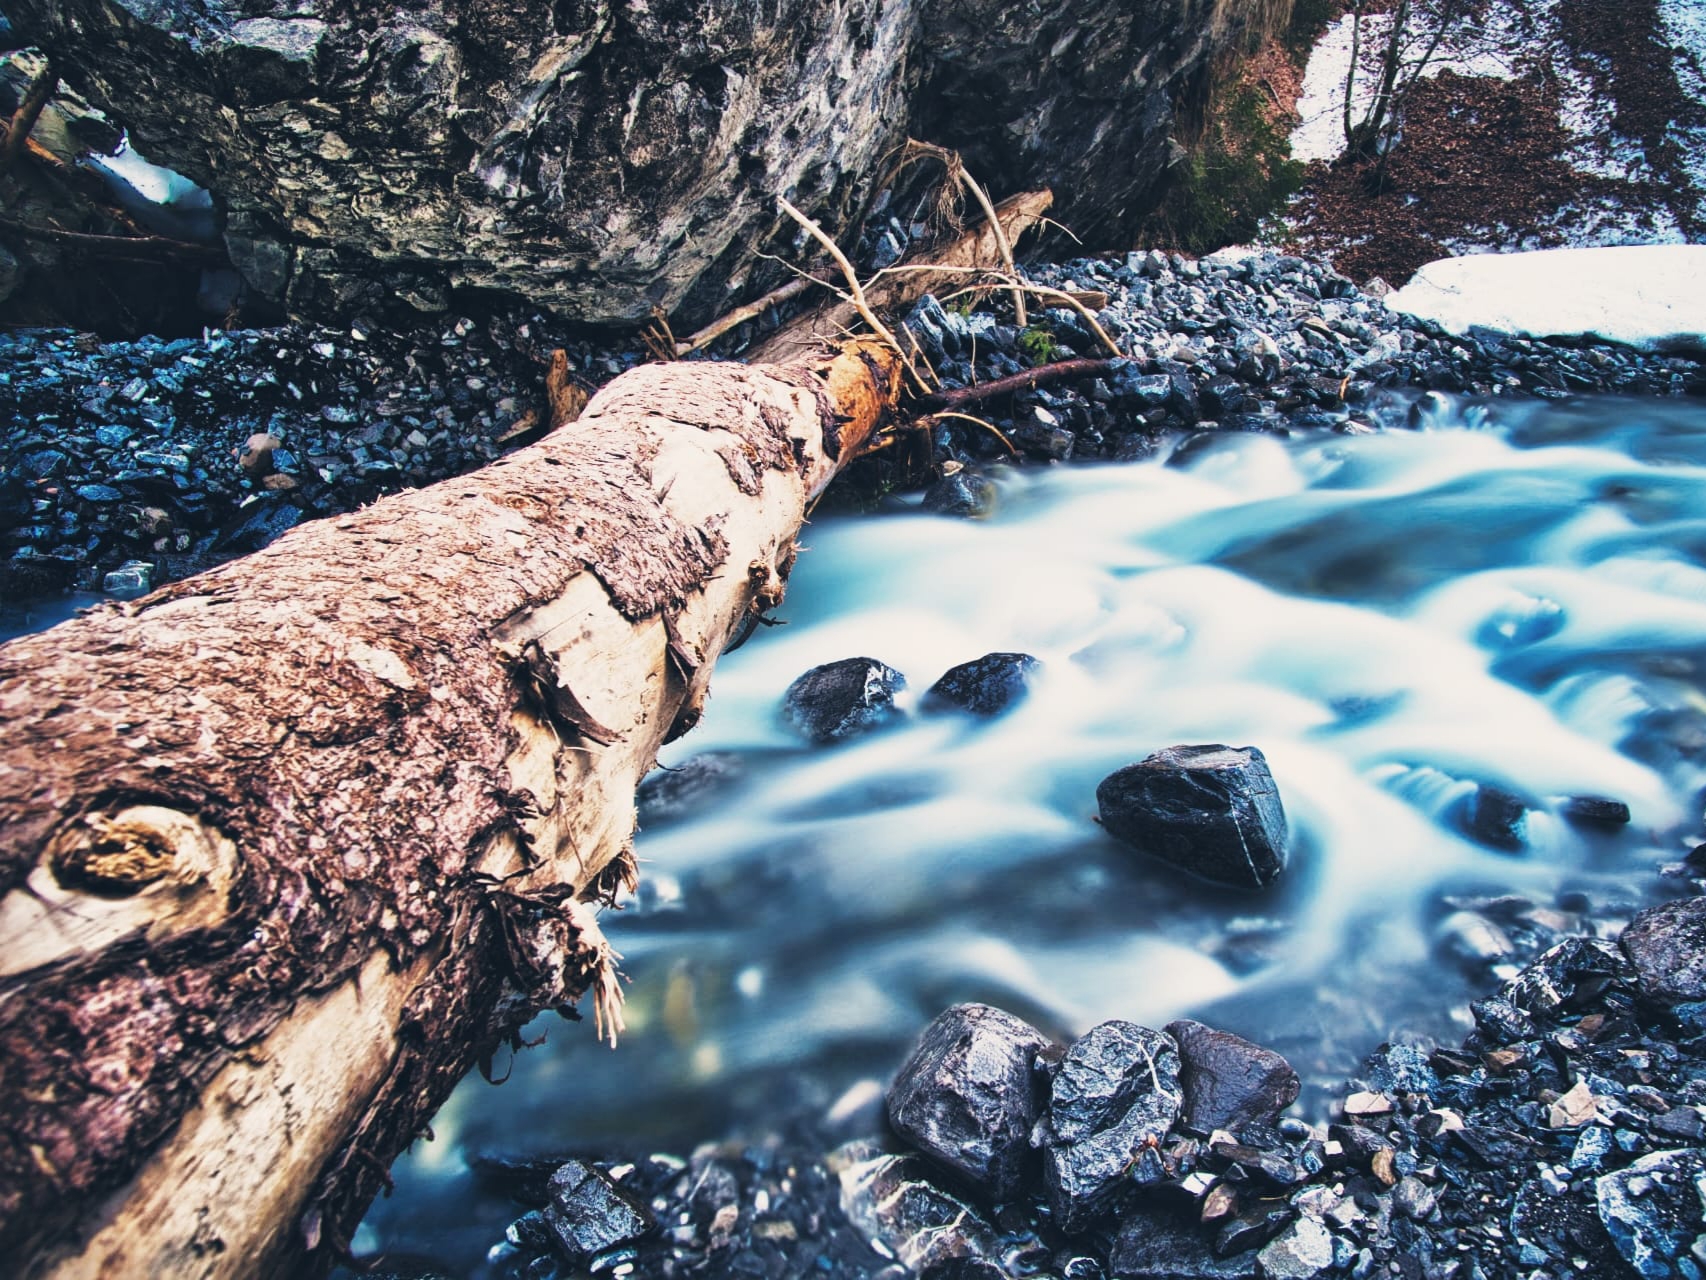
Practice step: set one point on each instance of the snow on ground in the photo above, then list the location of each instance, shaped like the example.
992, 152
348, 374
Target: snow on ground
1684, 23
1649, 296
1496, 50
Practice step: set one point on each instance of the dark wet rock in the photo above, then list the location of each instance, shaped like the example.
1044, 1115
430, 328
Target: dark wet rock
1652, 1209
963, 493
1569, 974
842, 699
1401, 1068
1155, 1245
969, 1096
589, 1213
1212, 811
1667, 946
1114, 1095
985, 686
1596, 812
669, 794
1228, 1081
892, 1200
1252, 1229
1494, 817
258, 524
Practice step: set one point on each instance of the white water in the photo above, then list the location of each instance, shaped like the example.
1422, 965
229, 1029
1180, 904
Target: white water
1390, 618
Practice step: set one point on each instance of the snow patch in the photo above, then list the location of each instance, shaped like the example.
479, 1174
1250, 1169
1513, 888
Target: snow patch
1648, 296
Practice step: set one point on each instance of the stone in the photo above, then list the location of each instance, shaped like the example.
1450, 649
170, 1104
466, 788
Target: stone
256, 456
1413, 1198
670, 794
1155, 1245
1229, 1082
1566, 975
1495, 818
1302, 1250
1652, 1209
969, 1096
985, 686
893, 1202
963, 493
588, 1213
1114, 1096
1595, 813
131, 579
1666, 945
1212, 811
842, 699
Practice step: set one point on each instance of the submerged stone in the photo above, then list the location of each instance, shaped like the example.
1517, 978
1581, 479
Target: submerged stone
985, 686
1228, 1081
968, 1096
1212, 811
842, 699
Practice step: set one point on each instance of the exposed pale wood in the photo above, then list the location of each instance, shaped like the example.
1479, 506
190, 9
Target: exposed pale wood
285, 846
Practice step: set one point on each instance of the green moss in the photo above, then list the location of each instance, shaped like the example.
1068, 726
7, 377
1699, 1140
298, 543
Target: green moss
1238, 175
1040, 344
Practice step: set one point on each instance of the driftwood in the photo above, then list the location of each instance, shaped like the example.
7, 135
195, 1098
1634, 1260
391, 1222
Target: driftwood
286, 846
981, 249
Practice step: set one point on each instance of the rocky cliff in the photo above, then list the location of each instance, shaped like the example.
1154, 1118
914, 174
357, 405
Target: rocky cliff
604, 156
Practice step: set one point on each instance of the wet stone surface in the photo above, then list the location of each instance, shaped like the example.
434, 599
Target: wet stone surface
841, 700
1212, 811
985, 686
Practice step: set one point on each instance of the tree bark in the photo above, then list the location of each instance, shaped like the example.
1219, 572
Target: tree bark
285, 846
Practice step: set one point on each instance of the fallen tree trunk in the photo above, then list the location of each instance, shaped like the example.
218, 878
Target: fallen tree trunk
284, 846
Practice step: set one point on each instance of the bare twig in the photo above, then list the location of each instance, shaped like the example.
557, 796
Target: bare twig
137, 248
987, 426
856, 291
1004, 280
740, 315
29, 110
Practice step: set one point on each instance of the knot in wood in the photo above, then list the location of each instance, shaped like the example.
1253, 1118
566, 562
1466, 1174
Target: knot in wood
113, 857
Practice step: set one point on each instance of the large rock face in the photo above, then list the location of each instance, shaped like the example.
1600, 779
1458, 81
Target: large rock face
600, 156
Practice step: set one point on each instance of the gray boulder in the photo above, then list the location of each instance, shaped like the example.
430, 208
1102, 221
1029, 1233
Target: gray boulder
969, 1095
985, 686
1212, 811
588, 1213
604, 158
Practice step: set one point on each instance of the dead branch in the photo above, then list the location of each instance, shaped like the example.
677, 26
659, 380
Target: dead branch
1025, 380
134, 248
701, 338
29, 111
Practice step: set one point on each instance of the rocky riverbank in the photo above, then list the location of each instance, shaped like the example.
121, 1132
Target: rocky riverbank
1563, 1137
130, 453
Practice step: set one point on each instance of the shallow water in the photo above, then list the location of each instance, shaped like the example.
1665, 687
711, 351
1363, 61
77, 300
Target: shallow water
1391, 618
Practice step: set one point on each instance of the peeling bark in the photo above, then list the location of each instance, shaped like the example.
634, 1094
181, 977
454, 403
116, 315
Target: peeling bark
286, 846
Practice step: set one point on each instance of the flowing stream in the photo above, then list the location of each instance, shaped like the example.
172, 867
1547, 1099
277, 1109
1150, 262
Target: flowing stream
1515, 600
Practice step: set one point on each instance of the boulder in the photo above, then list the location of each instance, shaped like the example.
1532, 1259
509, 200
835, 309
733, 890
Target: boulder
985, 686
1114, 1098
1667, 946
962, 493
1212, 811
1229, 1082
969, 1096
1155, 1245
842, 699
602, 159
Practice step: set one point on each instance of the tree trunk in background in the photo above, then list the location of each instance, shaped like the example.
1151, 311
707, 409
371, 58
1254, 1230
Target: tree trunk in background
283, 847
